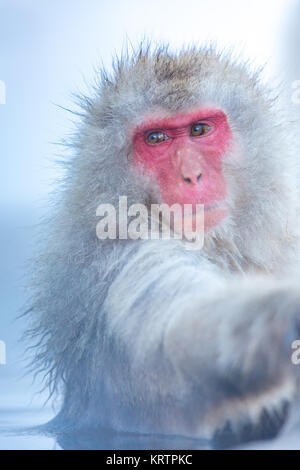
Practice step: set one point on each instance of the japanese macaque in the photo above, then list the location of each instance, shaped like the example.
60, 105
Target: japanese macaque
145, 335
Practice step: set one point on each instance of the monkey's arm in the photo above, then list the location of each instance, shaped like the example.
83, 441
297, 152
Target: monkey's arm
196, 343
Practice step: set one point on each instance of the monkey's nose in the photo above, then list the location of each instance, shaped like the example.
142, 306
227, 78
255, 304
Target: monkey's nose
192, 179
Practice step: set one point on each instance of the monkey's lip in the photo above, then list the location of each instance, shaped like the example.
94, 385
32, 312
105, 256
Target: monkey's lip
212, 206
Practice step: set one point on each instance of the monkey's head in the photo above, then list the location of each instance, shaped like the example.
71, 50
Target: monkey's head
191, 128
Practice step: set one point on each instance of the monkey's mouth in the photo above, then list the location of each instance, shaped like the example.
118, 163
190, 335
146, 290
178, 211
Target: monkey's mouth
211, 206
214, 213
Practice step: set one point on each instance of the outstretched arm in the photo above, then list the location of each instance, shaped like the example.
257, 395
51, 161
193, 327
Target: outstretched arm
197, 343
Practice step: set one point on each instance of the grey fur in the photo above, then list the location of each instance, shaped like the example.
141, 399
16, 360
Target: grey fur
145, 335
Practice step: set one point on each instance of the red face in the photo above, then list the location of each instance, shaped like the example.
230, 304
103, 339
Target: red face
184, 154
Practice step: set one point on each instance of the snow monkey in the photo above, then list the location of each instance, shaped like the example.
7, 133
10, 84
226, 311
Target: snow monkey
145, 335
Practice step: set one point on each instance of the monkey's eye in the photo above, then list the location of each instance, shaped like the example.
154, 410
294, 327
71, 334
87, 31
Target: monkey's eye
199, 129
156, 137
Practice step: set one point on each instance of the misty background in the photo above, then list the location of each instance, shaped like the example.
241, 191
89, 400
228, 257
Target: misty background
50, 49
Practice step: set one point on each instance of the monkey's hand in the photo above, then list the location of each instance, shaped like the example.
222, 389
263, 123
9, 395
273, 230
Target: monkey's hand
236, 349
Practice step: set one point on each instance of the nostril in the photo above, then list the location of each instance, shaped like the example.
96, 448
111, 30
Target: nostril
187, 180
